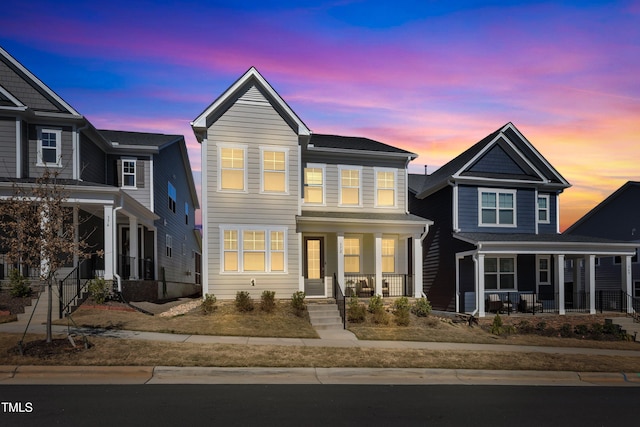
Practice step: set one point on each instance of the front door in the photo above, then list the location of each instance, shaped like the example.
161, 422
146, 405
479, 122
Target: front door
314, 266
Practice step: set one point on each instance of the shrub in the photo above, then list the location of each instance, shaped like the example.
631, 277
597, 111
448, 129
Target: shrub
356, 312
19, 284
209, 304
297, 303
375, 304
268, 301
566, 330
401, 311
496, 325
244, 302
421, 308
99, 290
581, 330
525, 327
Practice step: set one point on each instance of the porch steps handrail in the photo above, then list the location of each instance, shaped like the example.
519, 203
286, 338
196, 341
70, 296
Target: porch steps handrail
68, 299
340, 300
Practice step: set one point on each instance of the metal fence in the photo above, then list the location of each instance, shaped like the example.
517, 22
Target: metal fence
364, 285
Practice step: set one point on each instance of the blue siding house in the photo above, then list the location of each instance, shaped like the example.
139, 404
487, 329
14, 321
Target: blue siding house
495, 236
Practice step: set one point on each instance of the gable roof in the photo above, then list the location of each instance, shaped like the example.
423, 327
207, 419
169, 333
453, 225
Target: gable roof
35, 84
528, 165
335, 142
223, 102
621, 222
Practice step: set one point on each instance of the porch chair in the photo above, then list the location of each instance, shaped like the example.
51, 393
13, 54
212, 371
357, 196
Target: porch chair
529, 303
494, 303
364, 290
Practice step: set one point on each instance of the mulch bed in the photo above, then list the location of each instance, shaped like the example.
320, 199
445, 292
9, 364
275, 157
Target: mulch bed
41, 349
13, 305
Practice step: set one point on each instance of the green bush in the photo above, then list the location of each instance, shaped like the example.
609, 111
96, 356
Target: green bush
581, 330
99, 290
19, 284
525, 327
356, 312
244, 302
421, 307
209, 304
566, 331
496, 325
298, 304
375, 304
268, 301
402, 311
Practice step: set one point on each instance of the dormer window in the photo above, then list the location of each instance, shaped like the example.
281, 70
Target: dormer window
49, 147
129, 173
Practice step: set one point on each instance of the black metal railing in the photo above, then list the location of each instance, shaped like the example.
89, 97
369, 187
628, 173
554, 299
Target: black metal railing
71, 290
364, 285
145, 269
340, 301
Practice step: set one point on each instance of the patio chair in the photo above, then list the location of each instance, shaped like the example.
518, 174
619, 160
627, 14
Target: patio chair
529, 303
364, 290
385, 288
494, 303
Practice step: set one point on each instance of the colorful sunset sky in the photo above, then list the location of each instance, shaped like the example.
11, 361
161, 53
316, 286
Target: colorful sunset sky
432, 77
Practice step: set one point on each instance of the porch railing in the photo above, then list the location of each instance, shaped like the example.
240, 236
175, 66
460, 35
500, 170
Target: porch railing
71, 289
364, 285
340, 301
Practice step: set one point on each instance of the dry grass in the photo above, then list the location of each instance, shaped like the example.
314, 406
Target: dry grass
117, 352
224, 321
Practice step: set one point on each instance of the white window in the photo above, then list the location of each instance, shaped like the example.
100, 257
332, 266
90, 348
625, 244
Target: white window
274, 171
543, 209
385, 187
388, 255
500, 273
497, 208
129, 173
49, 147
543, 267
233, 167
169, 246
253, 250
349, 186
314, 184
351, 255
171, 196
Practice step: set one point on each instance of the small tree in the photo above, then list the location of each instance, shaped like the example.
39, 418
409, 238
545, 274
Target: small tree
35, 230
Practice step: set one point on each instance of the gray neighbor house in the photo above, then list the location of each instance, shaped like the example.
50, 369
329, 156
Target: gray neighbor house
131, 195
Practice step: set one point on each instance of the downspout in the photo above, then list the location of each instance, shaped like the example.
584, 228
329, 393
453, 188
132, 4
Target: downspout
424, 235
114, 259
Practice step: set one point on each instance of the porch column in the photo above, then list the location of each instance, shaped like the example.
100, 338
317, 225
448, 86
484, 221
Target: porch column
108, 242
480, 285
627, 282
378, 256
417, 266
340, 238
133, 248
590, 281
559, 287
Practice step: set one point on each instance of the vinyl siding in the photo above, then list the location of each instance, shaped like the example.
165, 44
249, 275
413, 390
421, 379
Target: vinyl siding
526, 210
23, 91
66, 171
553, 207
252, 121
92, 162
142, 192
8, 147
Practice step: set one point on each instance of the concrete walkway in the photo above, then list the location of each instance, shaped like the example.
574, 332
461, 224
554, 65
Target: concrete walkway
328, 338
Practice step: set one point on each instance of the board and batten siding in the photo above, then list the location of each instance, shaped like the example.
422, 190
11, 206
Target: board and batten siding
253, 122
8, 147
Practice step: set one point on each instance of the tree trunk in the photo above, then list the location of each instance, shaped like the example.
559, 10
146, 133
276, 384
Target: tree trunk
49, 308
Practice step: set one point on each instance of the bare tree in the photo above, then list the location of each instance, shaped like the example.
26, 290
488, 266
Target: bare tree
37, 230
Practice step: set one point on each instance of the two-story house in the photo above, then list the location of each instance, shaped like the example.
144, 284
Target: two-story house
613, 218
496, 233
130, 195
287, 210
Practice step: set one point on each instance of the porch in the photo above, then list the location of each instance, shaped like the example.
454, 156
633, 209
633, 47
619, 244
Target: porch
364, 285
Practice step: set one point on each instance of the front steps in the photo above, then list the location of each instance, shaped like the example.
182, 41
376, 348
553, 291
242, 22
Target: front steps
324, 316
628, 325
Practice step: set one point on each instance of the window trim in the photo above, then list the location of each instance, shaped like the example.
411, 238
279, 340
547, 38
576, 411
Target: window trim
39, 159
540, 270
498, 273
240, 230
359, 238
497, 192
171, 201
323, 168
353, 168
245, 151
135, 171
168, 246
547, 209
376, 170
186, 213
263, 150
395, 254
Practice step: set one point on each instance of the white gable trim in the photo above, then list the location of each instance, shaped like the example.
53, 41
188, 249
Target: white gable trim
201, 120
10, 97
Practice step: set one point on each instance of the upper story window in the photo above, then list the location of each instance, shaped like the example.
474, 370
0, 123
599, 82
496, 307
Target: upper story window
172, 196
385, 187
232, 162
543, 209
169, 246
128, 173
349, 186
274, 171
49, 147
314, 184
186, 213
497, 208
